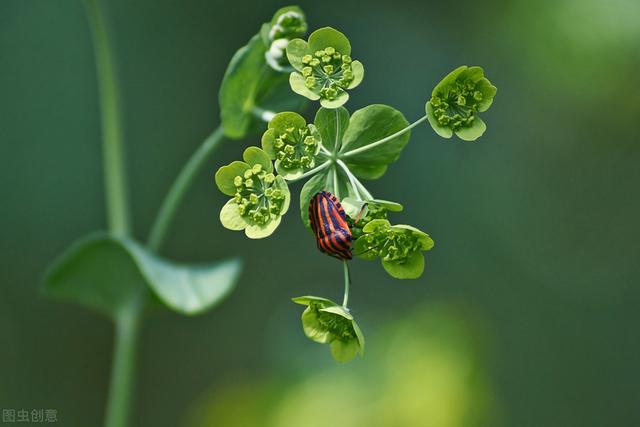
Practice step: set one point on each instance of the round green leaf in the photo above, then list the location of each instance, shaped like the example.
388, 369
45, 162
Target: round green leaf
358, 73
257, 156
473, 132
338, 101
256, 231
287, 119
313, 329
343, 351
411, 268
298, 86
443, 131
449, 79
281, 184
225, 175
231, 218
288, 174
488, 93
327, 36
339, 310
296, 49
308, 299
268, 139
332, 124
390, 206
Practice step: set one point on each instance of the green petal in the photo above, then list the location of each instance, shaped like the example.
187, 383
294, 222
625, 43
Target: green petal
281, 121
281, 184
308, 299
225, 175
288, 174
327, 36
231, 218
268, 138
360, 336
256, 156
376, 224
488, 93
425, 240
361, 250
474, 73
298, 86
339, 310
411, 268
255, 231
313, 329
358, 73
390, 206
472, 132
296, 49
343, 351
448, 79
443, 131
339, 100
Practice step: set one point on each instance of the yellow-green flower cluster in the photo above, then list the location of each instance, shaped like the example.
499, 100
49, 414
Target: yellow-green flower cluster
255, 195
327, 71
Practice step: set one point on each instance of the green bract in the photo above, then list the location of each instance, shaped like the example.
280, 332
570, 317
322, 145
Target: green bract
259, 197
326, 322
324, 67
292, 143
456, 101
399, 247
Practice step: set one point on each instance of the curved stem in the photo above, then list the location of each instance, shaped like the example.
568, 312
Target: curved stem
336, 183
312, 171
345, 300
179, 188
112, 135
383, 140
355, 182
351, 178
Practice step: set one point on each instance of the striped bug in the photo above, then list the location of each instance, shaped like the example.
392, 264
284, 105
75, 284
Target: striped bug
329, 224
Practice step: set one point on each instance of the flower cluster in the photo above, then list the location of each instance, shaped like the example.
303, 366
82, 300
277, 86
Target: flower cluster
292, 143
287, 23
456, 102
324, 68
326, 322
399, 247
259, 197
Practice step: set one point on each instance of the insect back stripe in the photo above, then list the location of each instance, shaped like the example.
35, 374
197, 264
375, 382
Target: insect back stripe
339, 226
336, 237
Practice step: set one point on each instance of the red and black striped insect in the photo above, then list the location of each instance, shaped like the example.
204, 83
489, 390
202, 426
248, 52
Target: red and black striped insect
329, 225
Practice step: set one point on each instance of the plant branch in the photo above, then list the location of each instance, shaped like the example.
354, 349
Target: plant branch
373, 145
112, 134
179, 188
312, 171
345, 300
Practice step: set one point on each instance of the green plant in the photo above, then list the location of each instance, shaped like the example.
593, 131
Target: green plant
121, 278
334, 153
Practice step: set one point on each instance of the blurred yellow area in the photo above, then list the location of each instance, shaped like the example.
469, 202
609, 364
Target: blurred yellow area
426, 369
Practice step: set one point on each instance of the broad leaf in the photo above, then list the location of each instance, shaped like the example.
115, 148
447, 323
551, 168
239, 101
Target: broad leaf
103, 273
332, 124
367, 126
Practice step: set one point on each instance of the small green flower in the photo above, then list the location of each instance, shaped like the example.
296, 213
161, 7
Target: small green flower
399, 247
259, 197
456, 101
287, 23
326, 322
360, 213
292, 143
324, 68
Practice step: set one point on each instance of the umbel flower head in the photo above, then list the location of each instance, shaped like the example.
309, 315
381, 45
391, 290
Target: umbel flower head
456, 101
324, 68
259, 197
292, 143
326, 322
399, 247
287, 23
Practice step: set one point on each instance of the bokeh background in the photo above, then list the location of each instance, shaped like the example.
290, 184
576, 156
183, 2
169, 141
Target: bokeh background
527, 314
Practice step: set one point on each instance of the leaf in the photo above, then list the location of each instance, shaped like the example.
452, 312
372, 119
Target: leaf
239, 87
332, 124
327, 36
225, 175
367, 126
411, 268
316, 184
104, 273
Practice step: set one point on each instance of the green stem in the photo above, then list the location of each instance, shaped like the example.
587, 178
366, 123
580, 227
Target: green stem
312, 171
127, 323
179, 188
345, 300
383, 140
112, 135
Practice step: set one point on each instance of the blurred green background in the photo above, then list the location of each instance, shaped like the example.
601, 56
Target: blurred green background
527, 314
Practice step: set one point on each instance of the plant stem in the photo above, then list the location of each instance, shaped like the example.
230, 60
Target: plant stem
345, 300
312, 171
112, 135
127, 323
383, 140
179, 188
